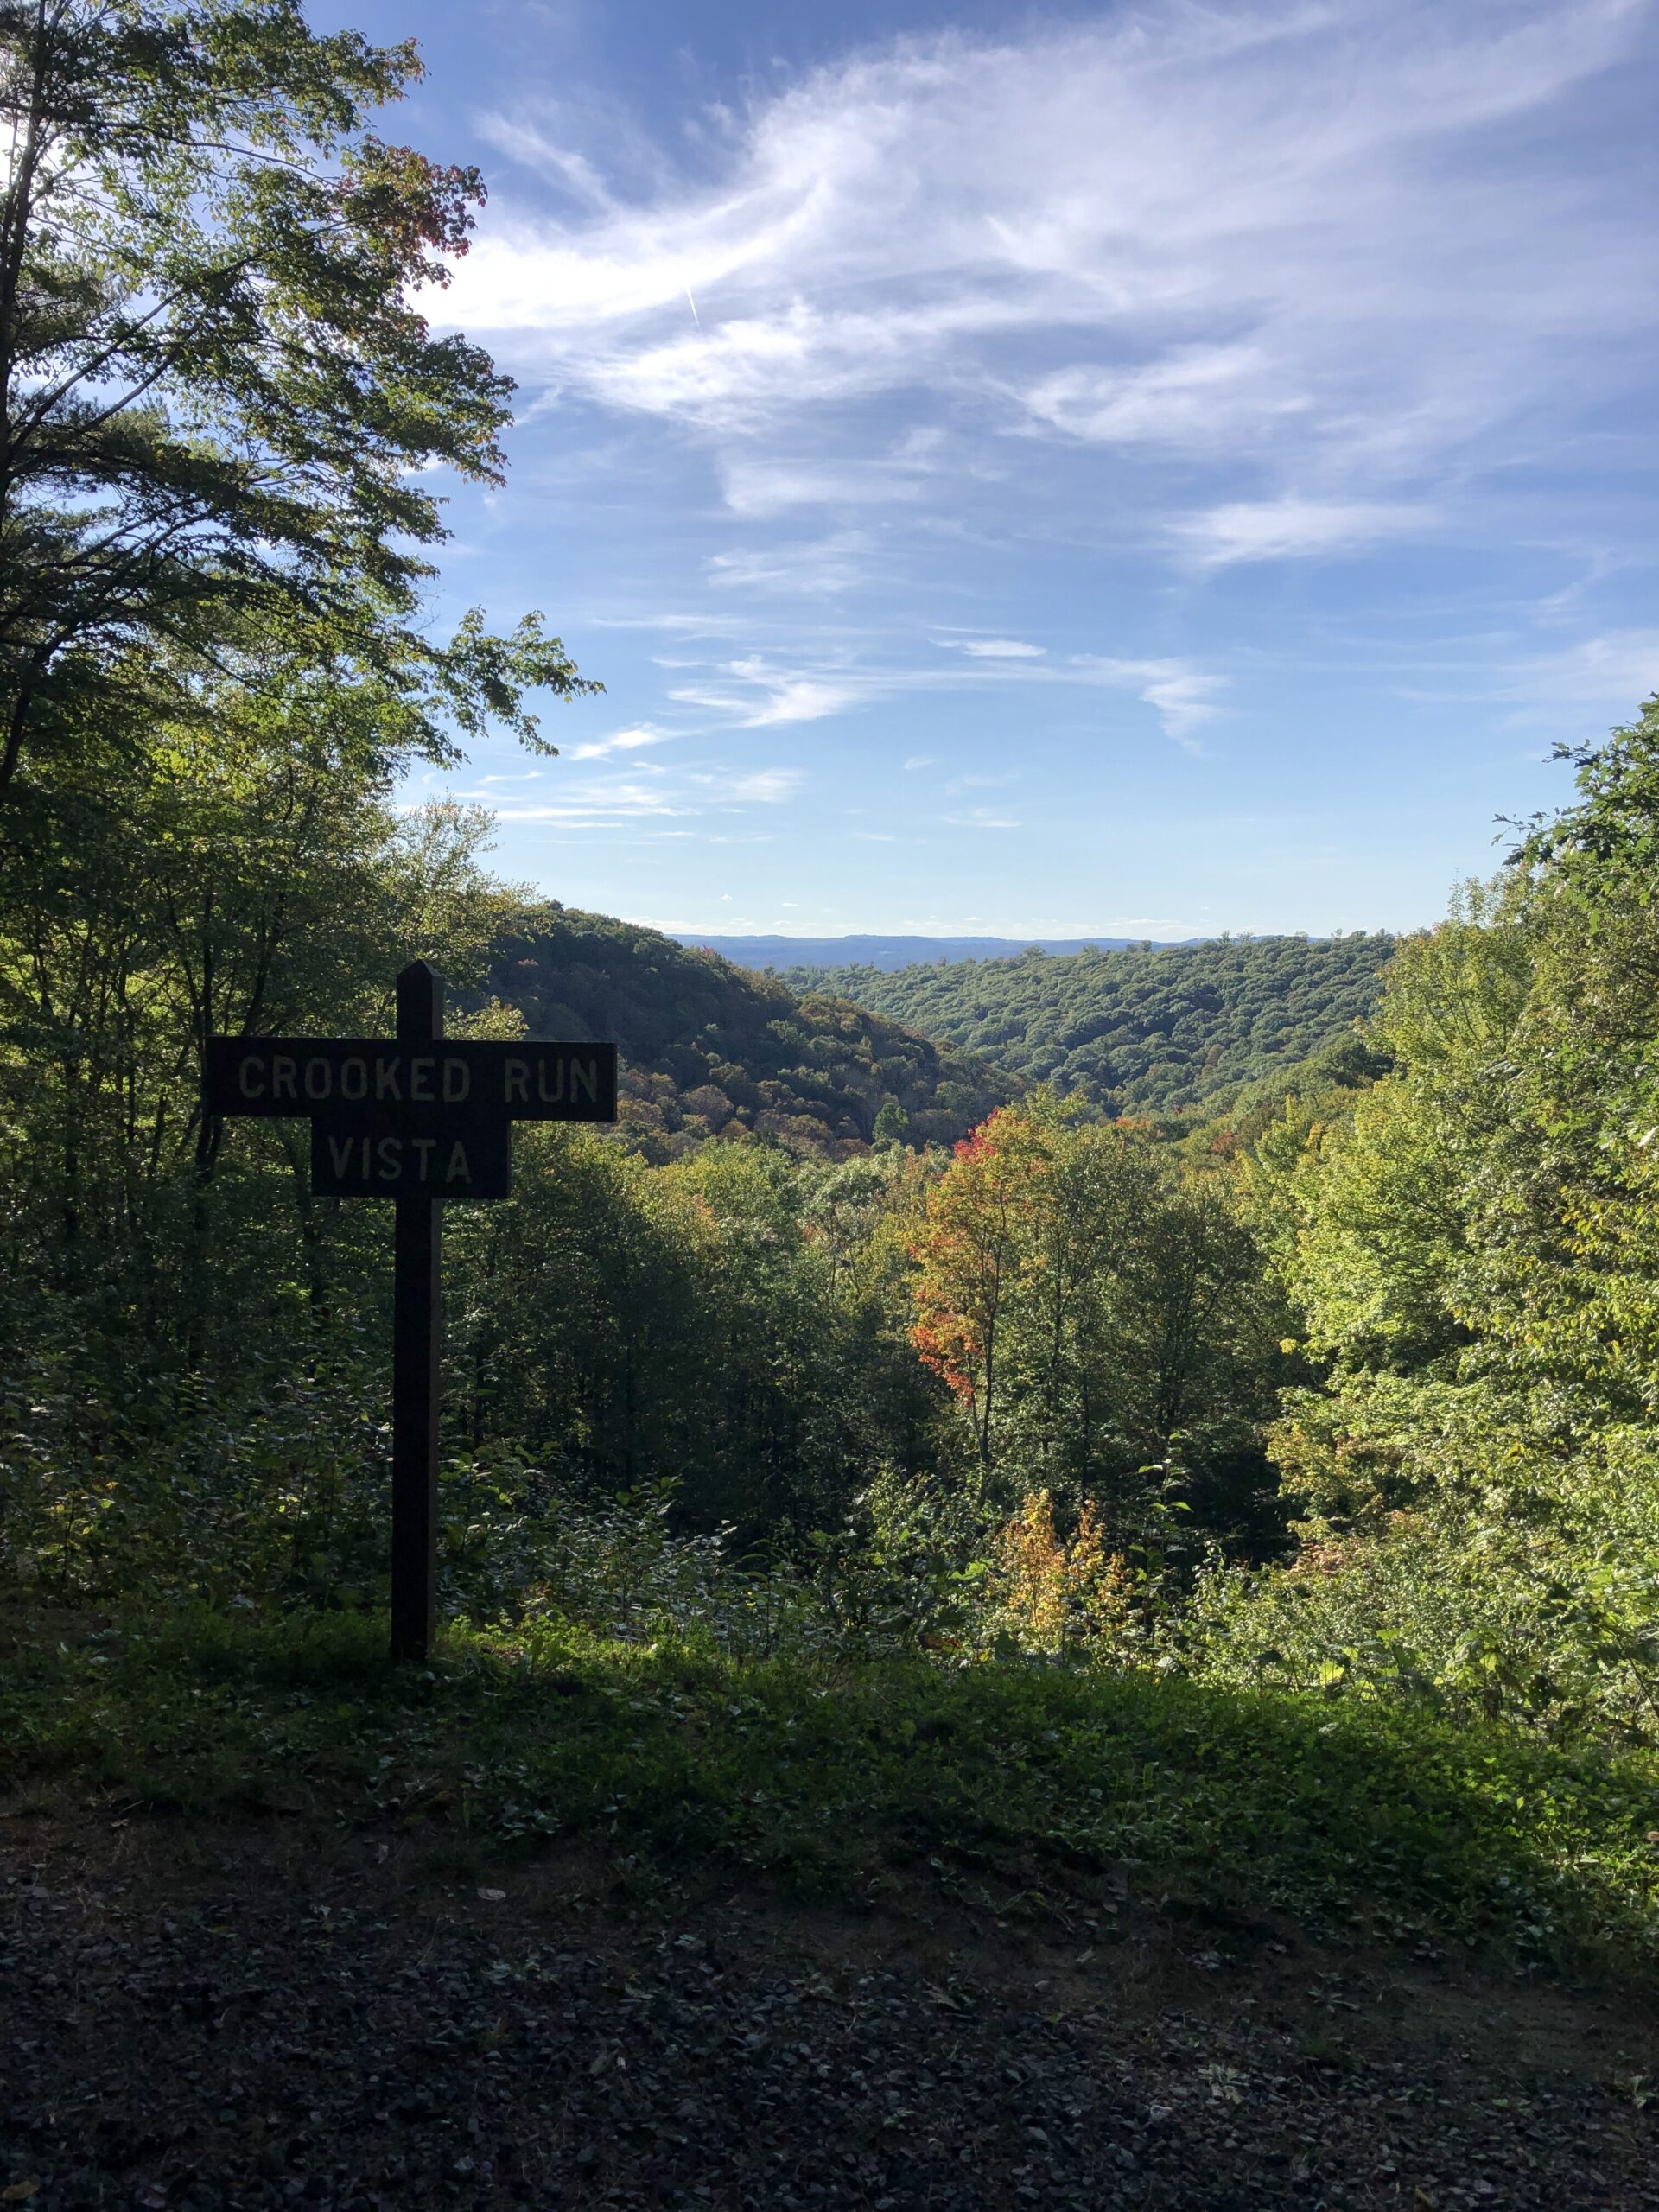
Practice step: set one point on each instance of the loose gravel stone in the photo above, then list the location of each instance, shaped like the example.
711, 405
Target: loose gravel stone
217, 2030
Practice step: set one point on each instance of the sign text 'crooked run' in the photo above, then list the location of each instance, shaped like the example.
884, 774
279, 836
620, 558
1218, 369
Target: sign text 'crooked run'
529, 1082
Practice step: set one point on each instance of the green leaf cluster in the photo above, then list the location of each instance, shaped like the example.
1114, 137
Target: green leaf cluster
1472, 1247
220, 398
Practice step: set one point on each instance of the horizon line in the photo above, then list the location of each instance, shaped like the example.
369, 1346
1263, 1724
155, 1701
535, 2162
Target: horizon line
1118, 936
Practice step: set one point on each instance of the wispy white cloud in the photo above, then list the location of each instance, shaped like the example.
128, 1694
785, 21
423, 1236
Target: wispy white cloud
551, 157
1183, 696
996, 648
1294, 238
981, 818
823, 566
1194, 397
687, 793
766, 696
1275, 530
768, 786
598, 805
1611, 673
701, 625
760, 489
622, 741
757, 692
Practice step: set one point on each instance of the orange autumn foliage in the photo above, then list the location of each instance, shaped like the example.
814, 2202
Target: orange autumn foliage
1050, 1593
967, 1254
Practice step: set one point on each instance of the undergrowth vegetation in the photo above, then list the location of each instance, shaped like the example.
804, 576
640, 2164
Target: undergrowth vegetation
1024, 1787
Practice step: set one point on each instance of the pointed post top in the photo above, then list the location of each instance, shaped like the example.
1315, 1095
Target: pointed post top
420, 1004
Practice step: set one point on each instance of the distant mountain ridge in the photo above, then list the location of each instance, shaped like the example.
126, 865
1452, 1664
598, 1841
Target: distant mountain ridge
885, 954
709, 1049
814, 1057
1173, 1028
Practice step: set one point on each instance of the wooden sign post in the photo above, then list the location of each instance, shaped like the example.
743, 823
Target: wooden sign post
424, 1122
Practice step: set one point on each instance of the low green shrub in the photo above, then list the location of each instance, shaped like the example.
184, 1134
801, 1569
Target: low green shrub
1531, 1598
828, 1773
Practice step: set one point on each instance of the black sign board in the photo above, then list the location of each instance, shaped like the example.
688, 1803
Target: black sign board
344, 1077
425, 1121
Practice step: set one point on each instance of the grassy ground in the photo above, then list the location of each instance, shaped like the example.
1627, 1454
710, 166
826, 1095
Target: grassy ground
1021, 1783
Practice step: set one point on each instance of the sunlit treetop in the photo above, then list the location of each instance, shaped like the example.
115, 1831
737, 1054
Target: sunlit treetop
220, 396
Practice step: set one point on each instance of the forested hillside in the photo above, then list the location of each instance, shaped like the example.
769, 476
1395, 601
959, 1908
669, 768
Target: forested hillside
708, 1048
1136, 1031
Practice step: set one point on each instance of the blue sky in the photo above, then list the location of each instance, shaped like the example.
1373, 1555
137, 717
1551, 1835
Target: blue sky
1164, 470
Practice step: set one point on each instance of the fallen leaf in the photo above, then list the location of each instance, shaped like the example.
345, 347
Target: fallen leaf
492, 1896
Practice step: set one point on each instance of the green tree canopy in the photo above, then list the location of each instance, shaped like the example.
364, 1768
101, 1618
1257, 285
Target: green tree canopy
218, 390
1135, 1032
